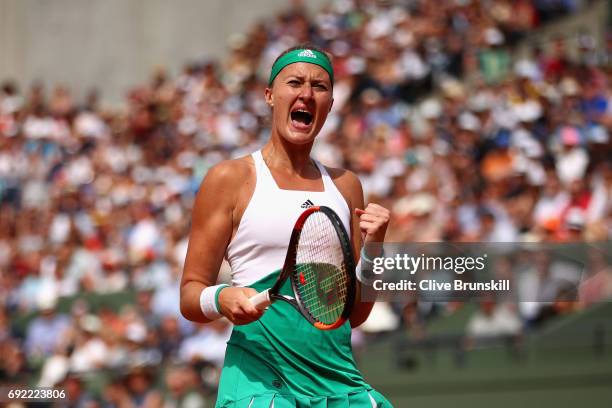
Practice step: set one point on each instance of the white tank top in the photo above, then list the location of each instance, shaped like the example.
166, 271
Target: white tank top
260, 244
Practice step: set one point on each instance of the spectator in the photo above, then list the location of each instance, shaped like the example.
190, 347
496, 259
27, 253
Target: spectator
139, 381
207, 343
183, 386
493, 320
76, 394
47, 330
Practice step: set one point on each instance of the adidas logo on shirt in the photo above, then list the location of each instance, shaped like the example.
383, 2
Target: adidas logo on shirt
307, 53
307, 204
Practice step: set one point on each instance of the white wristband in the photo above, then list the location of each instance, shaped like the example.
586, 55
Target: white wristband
359, 273
370, 277
209, 301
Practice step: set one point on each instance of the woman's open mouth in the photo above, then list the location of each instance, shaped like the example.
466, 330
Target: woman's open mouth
301, 119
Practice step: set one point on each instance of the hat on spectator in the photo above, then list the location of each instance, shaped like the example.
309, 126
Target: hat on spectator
430, 108
90, 323
47, 301
453, 89
481, 102
570, 135
468, 121
526, 68
493, 36
136, 332
569, 86
527, 111
418, 204
597, 134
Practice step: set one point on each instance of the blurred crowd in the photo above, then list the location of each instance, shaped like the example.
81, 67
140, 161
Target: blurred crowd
445, 125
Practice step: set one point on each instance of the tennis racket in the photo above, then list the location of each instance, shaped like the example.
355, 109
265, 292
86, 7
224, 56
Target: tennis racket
321, 268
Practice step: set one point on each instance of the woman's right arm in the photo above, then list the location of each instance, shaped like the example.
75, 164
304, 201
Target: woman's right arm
211, 231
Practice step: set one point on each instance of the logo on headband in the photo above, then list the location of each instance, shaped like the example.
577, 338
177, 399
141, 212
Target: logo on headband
307, 53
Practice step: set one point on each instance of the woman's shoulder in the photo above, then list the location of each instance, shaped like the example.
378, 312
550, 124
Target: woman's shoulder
233, 170
343, 177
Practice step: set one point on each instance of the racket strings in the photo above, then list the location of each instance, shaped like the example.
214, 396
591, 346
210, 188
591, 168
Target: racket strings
321, 277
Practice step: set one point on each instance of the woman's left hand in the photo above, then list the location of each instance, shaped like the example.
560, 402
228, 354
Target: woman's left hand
373, 222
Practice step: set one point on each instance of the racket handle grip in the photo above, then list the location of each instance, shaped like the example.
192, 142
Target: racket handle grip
261, 300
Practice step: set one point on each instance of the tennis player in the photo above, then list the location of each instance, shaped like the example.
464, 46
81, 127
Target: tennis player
245, 211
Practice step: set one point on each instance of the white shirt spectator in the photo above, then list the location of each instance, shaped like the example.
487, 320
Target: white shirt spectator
501, 321
90, 356
37, 127
572, 164
550, 207
206, 344
143, 237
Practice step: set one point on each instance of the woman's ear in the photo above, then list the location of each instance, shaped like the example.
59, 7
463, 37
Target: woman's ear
269, 97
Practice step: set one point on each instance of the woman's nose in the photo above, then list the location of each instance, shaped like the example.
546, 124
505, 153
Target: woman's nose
306, 91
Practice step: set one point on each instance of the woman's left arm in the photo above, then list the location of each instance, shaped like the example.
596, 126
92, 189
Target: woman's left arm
368, 225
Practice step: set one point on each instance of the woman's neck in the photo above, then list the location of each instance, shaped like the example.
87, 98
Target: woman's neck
282, 155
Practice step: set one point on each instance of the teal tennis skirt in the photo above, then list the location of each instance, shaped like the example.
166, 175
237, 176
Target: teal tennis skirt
281, 361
